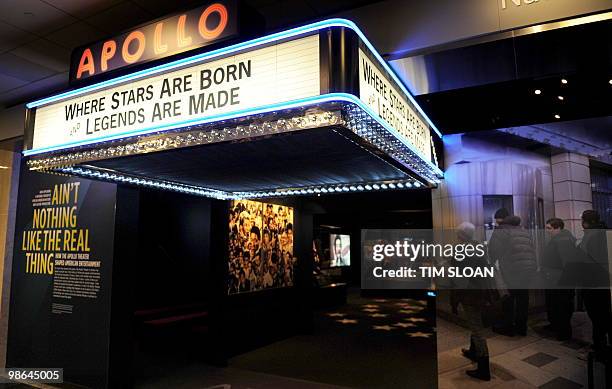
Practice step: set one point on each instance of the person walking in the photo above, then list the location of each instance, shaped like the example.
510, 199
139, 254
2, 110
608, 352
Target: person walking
514, 250
472, 296
597, 285
560, 250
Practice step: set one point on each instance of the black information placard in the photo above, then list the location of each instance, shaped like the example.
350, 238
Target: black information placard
61, 278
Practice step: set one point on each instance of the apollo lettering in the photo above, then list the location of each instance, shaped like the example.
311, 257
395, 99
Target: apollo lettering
165, 37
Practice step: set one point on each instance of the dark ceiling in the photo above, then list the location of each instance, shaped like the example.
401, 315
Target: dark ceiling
553, 76
552, 89
278, 161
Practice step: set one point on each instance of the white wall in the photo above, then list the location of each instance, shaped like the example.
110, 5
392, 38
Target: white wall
475, 168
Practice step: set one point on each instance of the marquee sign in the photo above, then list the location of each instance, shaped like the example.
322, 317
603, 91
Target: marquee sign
392, 105
169, 36
274, 74
278, 83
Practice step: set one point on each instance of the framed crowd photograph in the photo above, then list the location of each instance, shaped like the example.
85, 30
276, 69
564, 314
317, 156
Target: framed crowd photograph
260, 246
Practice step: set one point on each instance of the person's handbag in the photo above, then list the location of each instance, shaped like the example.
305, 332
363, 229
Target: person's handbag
500, 284
495, 293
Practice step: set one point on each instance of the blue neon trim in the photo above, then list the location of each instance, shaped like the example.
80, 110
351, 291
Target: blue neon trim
336, 22
346, 97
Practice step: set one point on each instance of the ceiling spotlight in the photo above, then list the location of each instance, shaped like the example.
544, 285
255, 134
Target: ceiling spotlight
557, 116
610, 82
537, 91
563, 81
560, 98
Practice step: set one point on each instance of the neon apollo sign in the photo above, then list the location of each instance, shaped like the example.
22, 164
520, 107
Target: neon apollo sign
53, 142
198, 27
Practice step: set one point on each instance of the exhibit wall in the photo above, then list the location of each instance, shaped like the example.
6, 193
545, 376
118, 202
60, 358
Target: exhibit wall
260, 246
174, 249
61, 276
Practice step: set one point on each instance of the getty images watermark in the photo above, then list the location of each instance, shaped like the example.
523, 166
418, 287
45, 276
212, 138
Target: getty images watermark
468, 258
414, 251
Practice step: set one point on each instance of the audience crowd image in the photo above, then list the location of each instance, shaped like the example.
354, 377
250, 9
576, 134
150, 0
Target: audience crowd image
260, 246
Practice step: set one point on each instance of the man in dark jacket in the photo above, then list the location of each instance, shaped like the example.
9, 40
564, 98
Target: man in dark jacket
560, 250
597, 292
514, 250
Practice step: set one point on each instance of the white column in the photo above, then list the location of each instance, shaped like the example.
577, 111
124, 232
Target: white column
571, 189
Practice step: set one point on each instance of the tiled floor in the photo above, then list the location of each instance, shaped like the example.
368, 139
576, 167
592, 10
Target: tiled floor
533, 361
560, 383
540, 359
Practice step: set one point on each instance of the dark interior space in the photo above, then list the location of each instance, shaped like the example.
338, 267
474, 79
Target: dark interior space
172, 285
244, 166
182, 317
348, 341
175, 250
385, 210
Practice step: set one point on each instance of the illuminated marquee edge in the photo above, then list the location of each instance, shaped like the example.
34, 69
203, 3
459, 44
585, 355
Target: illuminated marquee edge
128, 179
357, 117
339, 116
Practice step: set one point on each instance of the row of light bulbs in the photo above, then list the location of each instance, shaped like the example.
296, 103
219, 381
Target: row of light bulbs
332, 189
221, 195
145, 182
